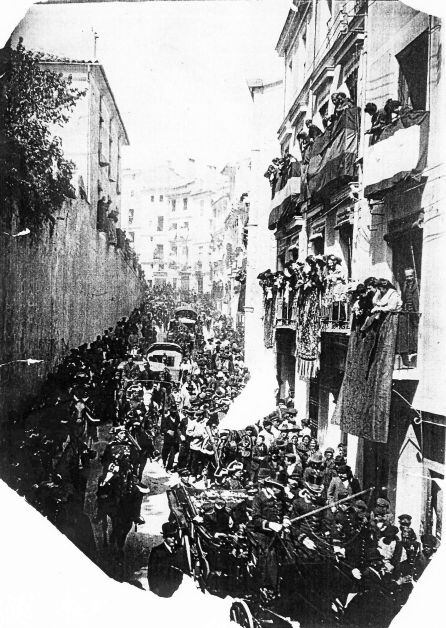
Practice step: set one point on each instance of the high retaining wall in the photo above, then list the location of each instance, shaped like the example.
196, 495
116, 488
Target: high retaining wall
56, 294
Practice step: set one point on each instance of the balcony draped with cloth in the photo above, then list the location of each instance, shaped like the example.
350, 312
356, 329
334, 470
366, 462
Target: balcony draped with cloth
331, 160
363, 405
285, 194
399, 154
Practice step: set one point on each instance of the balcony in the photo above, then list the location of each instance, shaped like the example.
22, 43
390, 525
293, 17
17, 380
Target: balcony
332, 157
406, 349
398, 153
336, 317
286, 323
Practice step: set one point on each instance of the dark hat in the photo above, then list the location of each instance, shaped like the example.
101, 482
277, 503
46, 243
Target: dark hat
291, 411
390, 532
383, 503
169, 529
313, 480
407, 518
262, 475
329, 450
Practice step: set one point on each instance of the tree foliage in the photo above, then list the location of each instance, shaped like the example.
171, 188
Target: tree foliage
35, 176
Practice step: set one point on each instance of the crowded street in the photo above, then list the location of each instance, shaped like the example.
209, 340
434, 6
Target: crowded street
149, 465
222, 313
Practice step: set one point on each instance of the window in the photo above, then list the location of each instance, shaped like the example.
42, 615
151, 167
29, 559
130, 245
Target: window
159, 252
152, 199
184, 203
160, 225
131, 236
131, 215
161, 198
174, 204
132, 193
346, 242
412, 83
186, 225
174, 226
352, 85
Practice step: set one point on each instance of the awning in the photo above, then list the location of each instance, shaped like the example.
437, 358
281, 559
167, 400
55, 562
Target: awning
333, 155
400, 153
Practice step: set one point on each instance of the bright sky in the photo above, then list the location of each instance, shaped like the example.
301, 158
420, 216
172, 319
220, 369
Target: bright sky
178, 69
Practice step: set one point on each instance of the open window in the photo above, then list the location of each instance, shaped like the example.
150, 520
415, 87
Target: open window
413, 75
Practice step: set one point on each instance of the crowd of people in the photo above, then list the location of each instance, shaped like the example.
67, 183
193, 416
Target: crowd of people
146, 414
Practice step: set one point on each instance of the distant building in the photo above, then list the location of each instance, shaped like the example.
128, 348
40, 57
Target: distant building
145, 215
176, 219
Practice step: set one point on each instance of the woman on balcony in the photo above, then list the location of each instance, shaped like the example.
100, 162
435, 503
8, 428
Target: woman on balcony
386, 299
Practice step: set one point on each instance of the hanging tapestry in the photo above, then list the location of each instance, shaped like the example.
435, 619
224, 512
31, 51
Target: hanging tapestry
269, 321
363, 404
308, 333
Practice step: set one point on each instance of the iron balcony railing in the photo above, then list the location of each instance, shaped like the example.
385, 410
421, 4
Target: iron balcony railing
336, 317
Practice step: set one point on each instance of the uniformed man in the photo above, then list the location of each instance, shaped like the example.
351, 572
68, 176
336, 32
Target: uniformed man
269, 518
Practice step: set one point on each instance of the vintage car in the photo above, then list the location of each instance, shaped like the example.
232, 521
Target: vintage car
162, 354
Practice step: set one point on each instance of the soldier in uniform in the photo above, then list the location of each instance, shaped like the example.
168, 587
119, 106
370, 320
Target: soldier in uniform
269, 518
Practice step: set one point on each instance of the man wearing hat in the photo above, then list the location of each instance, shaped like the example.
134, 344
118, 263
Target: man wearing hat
328, 466
408, 538
391, 549
269, 517
343, 482
170, 428
218, 521
166, 563
429, 545
235, 479
305, 501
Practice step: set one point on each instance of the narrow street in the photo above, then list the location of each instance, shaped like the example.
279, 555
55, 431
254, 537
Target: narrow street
155, 511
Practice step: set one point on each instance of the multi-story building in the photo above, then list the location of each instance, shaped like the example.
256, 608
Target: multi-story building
372, 200
94, 135
145, 217
170, 217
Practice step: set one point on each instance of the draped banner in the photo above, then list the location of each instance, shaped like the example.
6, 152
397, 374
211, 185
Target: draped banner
333, 155
400, 153
285, 194
363, 404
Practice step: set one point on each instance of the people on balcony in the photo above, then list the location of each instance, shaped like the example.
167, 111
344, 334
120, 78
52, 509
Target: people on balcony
386, 299
382, 117
313, 131
341, 103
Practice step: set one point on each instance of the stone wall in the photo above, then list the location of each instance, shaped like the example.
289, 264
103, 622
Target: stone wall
56, 294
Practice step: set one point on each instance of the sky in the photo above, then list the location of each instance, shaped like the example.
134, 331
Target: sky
178, 70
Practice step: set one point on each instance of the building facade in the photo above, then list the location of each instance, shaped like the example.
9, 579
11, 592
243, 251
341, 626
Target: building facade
94, 135
363, 190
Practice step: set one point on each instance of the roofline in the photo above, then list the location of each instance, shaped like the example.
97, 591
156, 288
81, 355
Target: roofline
300, 11
98, 65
